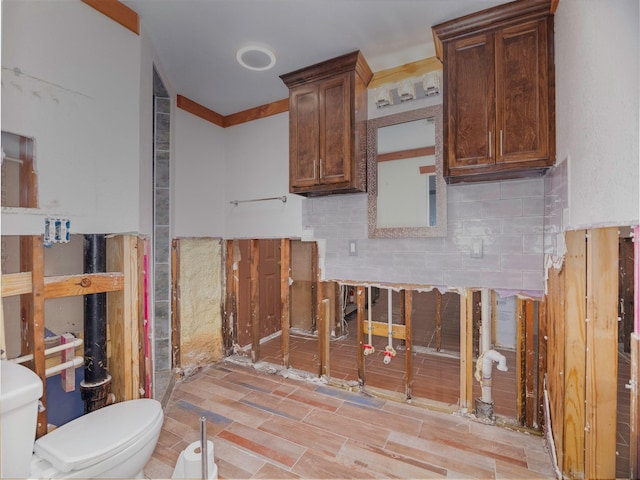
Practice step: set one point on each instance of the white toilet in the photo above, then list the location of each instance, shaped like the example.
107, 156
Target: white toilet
112, 442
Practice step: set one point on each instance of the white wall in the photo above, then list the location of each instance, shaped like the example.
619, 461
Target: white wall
597, 80
199, 176
258, 167
76, 92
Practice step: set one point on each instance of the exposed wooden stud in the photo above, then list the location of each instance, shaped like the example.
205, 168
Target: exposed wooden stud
143, 356
229, 302
575, 347
466, 350
543, 336
325, 332
68, 376
530, 364
320, 328
122, 310
438, 320
602, 357
175, 304
337, 311
16, 284
118, 12
477, 322
634, 410
315, 275
381, 329
521, 368
408, 314
254, 296
32, 316
285, 298
494, 317
360, 302
82, 284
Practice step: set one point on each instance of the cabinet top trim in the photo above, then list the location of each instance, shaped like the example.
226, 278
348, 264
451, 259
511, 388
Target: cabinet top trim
490, 18
342, 64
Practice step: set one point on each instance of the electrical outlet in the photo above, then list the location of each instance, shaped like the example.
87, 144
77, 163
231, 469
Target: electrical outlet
353, 248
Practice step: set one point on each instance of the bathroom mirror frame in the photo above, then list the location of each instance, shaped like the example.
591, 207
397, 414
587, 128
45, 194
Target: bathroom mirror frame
440, 228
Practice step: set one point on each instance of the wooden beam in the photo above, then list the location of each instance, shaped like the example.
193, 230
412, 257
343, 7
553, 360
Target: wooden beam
426, 169
32, 317
16, 284
285, 299
634, 410
360, 302
144, 353
408, 70
325, 332
118, 12
122, 310
175, 304
199, 111
543, 336
466, 350
229, 316
315, 274
256, 113
404, 154
521, 368
602, 353
381, 329
438, 320
575, 347
82, 284
408, 368
531, 363
254, 296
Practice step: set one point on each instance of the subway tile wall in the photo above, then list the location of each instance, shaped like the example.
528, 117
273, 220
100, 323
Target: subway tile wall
507, 216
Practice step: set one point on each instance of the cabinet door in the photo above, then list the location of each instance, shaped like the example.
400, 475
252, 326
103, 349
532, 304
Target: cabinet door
304, 151
335, 130
522, 102
469, 129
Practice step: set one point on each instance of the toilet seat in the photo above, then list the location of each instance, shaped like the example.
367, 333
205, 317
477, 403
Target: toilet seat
100, 435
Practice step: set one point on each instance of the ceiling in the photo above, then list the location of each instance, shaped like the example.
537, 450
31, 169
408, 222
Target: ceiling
197, 40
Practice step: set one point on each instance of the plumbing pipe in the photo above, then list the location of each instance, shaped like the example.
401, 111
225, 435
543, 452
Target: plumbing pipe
204, 454
484, 367
368, 347
389, 351
75, 362
96, 386
50, 351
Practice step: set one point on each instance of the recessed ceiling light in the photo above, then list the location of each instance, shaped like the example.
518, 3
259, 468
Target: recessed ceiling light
256, 57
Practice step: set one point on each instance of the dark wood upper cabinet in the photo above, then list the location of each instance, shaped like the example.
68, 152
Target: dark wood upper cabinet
499, 92
327, 126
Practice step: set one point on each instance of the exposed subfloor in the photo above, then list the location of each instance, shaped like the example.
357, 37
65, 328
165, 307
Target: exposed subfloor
270, 426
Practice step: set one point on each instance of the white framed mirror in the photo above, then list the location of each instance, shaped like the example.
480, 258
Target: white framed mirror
406, 190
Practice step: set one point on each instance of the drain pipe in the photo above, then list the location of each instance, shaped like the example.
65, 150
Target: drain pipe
95, 389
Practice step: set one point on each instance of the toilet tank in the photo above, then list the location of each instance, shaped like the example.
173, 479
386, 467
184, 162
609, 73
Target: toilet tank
20, 389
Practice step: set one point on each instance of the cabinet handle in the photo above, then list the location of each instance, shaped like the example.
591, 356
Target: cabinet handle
500, 142
489, 143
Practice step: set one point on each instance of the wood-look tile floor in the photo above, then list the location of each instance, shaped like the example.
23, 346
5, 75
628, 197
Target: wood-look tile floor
266, 425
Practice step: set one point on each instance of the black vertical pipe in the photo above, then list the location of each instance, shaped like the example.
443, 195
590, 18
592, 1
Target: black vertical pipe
95, 388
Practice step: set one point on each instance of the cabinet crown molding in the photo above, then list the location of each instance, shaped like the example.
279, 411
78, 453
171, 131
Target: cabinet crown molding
342, 64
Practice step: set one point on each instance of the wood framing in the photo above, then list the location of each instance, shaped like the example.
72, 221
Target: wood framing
602, 357
466, 350
230, 298
521, 397
360, 302
175, 306
574, 360
254, 296
324, 332
122, 311
407, 297
285, 299
438, 320
530, 364
634, 415
256, 113
32, 316
198, 110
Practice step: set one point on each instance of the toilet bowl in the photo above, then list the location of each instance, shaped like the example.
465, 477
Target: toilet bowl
112, 442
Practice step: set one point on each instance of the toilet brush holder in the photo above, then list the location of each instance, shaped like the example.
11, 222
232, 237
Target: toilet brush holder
189, 463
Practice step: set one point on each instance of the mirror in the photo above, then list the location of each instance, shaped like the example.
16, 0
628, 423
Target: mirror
407, 192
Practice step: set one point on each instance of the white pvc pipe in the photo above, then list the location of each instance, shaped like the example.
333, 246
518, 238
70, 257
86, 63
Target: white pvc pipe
488, 358
50, 351
75, 362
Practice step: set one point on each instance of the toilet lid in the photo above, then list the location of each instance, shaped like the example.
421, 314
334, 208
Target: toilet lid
99, 435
